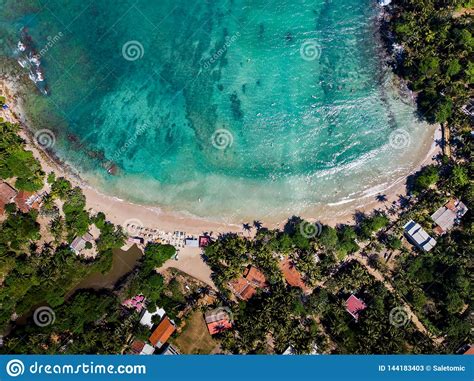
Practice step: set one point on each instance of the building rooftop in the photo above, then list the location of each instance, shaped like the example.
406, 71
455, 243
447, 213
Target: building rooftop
246, 286
7, 194
418, 236
217, 320
242, 288
170, 350
448, 215
470, 350
292, 275
137, 346
28, 200
191, 242
147, 317
162, 333
204, 240
21, 200
147, 350
354, 305
255, 276
468, 108
289, 351
218, 326
79, 243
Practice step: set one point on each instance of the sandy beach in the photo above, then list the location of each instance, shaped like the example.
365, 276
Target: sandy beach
122, 212
189, 260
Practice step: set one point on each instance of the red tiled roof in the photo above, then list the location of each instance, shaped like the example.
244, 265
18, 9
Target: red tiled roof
204, 241
470, 351
248, 292
218, 326
245, 287
7, 193
162, 333
255, 276
354, 305
292, 275
137, 346
451, 204
21, 199
238, 285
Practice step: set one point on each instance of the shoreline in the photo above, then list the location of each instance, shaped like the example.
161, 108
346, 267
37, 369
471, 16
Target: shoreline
121, 212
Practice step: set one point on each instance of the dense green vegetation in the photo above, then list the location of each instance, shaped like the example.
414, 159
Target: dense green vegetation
279, 317
16, 162
283, 316
373, 332
35, 271
437, 284
89, 322
32, 269
147, 281
437, 55
436, 61
300, 239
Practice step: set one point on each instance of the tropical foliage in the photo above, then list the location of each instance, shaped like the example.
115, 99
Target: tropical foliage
437, 55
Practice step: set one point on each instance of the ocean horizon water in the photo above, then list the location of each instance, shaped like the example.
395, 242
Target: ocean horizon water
225, 109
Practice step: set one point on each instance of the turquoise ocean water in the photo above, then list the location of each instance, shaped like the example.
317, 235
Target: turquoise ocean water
222, 108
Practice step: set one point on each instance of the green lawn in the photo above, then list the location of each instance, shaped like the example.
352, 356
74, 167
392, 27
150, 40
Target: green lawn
195, 338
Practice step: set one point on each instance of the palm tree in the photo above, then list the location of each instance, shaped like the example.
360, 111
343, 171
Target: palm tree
381, 198
257, 224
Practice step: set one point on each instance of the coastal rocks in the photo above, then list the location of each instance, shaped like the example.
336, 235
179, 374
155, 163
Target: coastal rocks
29, 59
98, 155
236, 106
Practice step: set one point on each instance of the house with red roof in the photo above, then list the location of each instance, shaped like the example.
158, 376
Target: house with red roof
25, 201
7, 195
470, 350
204, 240
292, 275
354, 305
162, 333
246, 286
218, 320
139, 347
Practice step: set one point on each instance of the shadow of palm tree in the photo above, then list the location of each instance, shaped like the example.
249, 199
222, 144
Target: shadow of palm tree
246, 227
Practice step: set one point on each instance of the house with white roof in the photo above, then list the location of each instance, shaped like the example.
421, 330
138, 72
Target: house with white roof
79, 243
448, 215
147, 317
191, 242
418, 237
